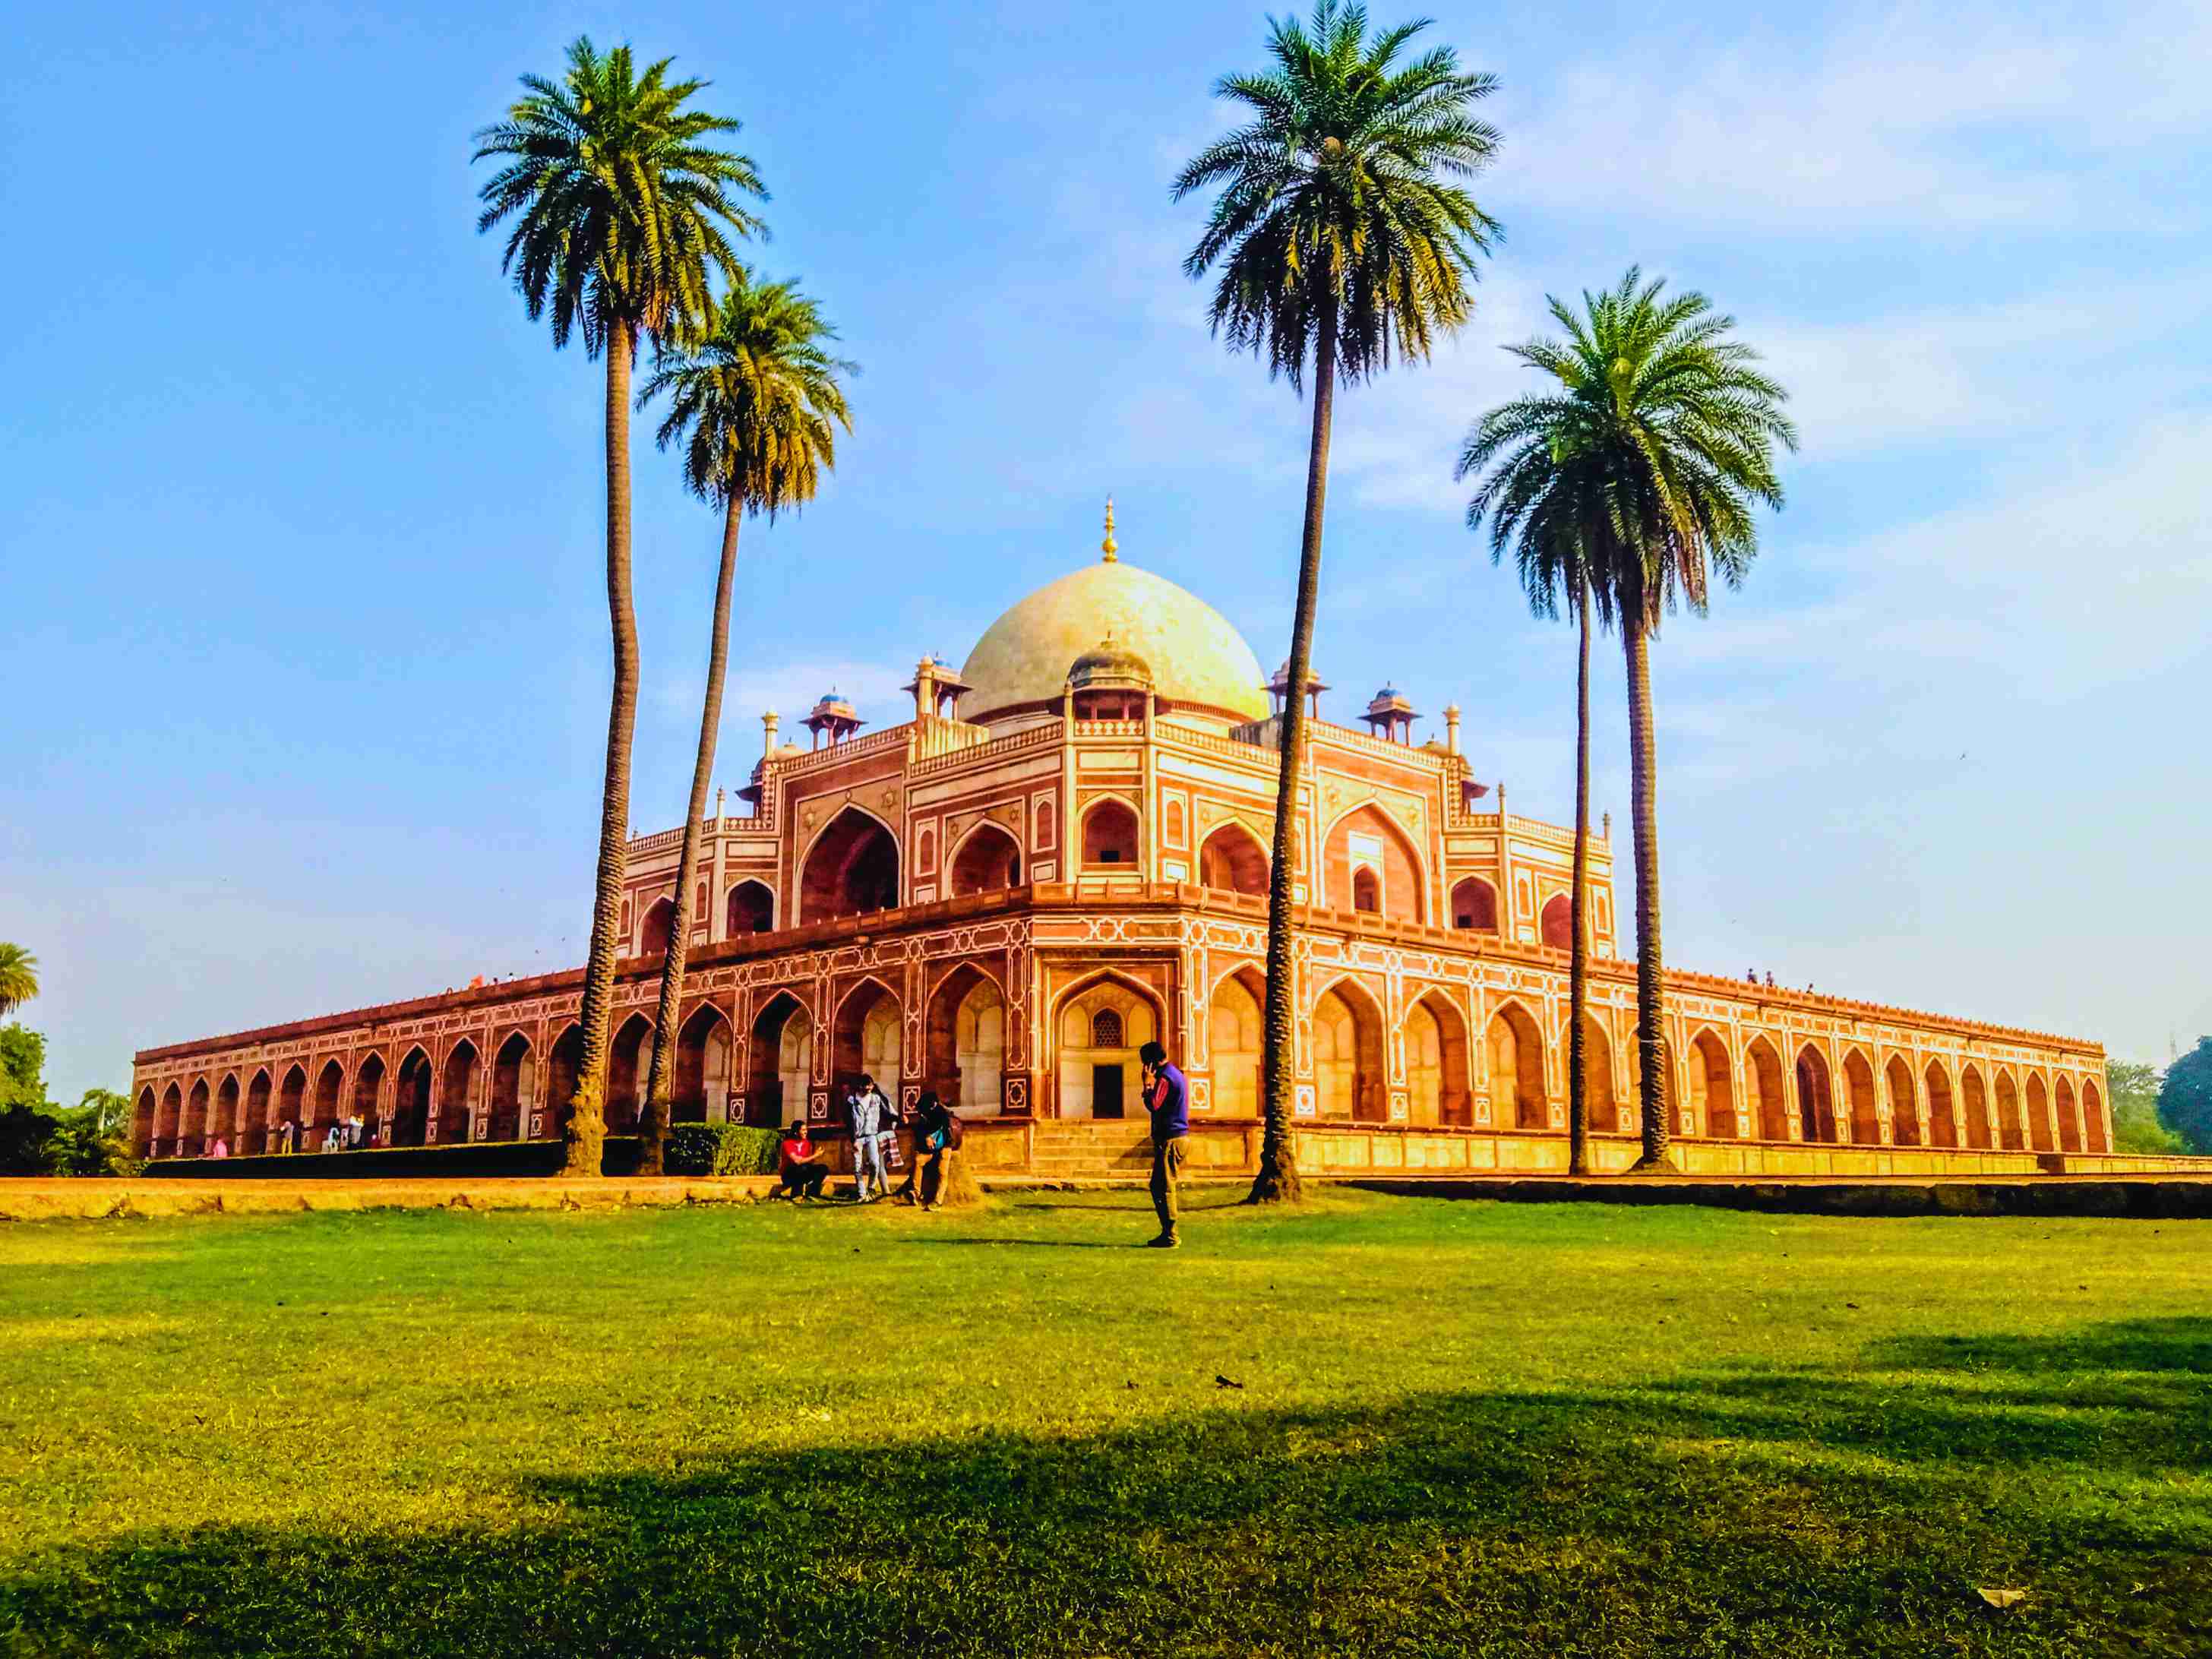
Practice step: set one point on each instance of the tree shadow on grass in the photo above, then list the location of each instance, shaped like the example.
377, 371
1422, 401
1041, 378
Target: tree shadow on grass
1733, 1512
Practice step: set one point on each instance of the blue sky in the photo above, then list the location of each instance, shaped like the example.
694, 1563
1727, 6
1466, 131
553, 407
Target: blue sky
305, 625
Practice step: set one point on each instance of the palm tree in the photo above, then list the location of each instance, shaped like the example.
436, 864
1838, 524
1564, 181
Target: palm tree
1340, 239
19, 977
1529, 510
1652, 458
619, 210
755, 400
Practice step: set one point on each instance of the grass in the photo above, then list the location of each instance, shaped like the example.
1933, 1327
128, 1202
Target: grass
1462, 1428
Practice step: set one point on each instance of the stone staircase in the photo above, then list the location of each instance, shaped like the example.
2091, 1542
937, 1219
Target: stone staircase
1076, 1149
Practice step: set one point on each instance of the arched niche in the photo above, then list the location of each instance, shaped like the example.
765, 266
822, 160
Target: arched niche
628, 1061
1712, 1091
964, 1029
989, 860
1516, 1069
1904, 1104
749, 910
1474, 905
2010, 1135
1980, 1131
701, 1084
1110, 836
1816, 1097
1942, 1109
1866, 1108
254, 1131
1557, 925
1099, 1026
2070, 1118
851, 869
1436, 1078
1231, 861
513, 1088
867, 1039
1235, 1043
781, 1053
411, 1099
1349, 1072
659, 927
1769, 1110
457, 1093
1367, 838
2040, 1137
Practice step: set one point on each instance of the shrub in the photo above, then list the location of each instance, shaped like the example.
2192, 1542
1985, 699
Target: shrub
720, 1149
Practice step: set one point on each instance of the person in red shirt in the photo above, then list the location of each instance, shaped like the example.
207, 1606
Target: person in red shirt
802, 1171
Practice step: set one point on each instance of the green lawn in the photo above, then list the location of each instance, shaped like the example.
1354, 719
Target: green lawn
1461, 1428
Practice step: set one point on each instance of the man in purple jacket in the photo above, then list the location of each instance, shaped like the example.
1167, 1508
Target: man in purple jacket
1167, 1097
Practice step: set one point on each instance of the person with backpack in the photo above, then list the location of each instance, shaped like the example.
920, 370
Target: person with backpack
936, 1133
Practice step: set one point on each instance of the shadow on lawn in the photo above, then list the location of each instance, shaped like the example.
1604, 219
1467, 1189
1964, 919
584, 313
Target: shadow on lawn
1734, 1512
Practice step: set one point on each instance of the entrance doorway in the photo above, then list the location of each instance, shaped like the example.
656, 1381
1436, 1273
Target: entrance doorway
1105, 1092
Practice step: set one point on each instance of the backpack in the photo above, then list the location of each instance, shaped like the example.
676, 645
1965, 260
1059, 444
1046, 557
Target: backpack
953, 1133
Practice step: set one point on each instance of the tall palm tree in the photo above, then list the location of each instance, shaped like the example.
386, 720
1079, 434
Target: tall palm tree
620, 212
755, 399
1652, 454
1529, 512
1340, 239
19, 977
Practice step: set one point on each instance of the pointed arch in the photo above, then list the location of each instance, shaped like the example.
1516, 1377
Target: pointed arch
851, 869
1516, 1043
330, 1100
223, 1120
1367, 837
1904, 1104
168, 1121
1112, 834
2092, 1114
369, 1096
1769, 1110
1234, 1038
1556, 927
456, 1097
749, 909
626, 1060
964, 1041
1101, 1079
2070, 1120
1474, 905
253, 1122
1350, 1073
2038, 1115
195, 1120
513, 1088
1816, 1097
866, 1031
988, 859
1866, 1107
143, 1120
411, 1099
292, 1099
2009, 1132
1439, 1086
700, 1087
1601, 1084
564, 1068
1980, 1134
1942, 1111
658, 928
782, 1031
1712, 1091
1230, 859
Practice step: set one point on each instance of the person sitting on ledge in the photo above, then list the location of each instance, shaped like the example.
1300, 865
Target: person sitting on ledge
802, 1172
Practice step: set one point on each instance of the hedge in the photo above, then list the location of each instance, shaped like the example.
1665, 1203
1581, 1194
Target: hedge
720, 1149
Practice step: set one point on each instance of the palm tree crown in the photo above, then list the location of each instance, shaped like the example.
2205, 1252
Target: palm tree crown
1645, 466
19, 977
755, 399
615, 198
1336, 179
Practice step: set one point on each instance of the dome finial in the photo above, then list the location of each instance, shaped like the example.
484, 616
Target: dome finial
1110, 547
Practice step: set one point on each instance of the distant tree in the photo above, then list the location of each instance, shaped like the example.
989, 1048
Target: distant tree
2131, 1092
19, 977
105, 1111
1530, 497
619, 210
22, 1069
1340, 238
2185, 1099
27, 1138
755, 401
1657, 445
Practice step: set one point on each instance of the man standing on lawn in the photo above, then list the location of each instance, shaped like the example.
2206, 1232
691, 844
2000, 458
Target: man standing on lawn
1167, 1097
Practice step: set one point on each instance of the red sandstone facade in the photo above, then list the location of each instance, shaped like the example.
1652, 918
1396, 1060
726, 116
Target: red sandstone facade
1004, 908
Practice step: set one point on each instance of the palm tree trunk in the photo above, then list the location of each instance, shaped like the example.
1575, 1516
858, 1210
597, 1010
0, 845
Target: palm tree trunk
653, 1130
584, 1127
1277, 1180
1650, 1047
1578, 955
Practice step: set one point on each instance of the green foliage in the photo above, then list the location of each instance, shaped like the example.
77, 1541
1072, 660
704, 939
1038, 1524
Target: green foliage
618, 206
720, 1149
1332, 217
19, 977
1644, 468
755, 399
27, 1137
22, 1069
838, 1431
2185, 1099
2131, 1092
106, 1112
